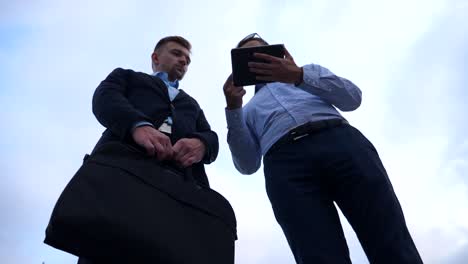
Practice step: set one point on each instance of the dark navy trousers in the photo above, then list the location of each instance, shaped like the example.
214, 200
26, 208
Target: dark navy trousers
304, 179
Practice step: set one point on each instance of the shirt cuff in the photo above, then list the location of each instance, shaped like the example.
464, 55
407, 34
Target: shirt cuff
141, 123
234, 118
311, 78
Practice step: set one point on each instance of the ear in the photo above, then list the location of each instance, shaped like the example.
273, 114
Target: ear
155, 58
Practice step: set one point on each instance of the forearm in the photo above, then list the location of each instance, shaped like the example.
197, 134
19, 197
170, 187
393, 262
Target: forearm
245, 149
333, 89
111, 107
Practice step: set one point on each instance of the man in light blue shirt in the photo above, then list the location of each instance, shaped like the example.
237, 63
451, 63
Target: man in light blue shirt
312, 159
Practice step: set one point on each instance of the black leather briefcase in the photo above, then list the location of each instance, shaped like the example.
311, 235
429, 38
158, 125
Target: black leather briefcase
125, 207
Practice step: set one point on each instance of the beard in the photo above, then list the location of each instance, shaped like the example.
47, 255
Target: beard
178, 73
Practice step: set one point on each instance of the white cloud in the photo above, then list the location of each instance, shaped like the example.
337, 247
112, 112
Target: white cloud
61, 51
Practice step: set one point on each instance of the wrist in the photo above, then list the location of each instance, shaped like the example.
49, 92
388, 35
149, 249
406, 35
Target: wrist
233, 106
141, 124
299, 76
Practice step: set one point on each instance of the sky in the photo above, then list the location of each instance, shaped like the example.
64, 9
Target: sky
409, 58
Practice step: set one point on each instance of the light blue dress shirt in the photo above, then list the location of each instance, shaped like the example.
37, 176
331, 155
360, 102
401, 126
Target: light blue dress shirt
171, 86
173, 90
279, 107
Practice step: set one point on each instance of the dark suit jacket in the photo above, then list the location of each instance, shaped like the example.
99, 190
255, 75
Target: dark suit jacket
126, 97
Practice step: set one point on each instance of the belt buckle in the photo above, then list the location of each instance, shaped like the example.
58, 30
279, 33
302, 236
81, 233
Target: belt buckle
298, 133
300, 136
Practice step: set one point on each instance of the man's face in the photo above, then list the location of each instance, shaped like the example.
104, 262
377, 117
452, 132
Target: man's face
172, 58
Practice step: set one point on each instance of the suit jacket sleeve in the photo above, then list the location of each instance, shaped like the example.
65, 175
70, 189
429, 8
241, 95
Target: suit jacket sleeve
208, 137
111, 106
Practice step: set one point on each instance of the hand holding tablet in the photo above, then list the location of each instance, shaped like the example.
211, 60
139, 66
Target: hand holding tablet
241, 57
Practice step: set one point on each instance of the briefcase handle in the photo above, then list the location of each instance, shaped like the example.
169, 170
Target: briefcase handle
185, 173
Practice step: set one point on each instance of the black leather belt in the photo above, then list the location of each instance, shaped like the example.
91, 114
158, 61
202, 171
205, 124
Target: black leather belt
307, 129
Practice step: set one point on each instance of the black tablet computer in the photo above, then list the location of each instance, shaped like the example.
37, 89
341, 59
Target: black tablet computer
240, 57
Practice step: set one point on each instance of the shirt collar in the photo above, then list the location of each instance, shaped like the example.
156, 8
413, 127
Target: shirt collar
163, 76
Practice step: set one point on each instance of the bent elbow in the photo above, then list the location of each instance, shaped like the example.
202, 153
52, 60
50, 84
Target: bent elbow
353, 101
95, 102
247, 170
351, 106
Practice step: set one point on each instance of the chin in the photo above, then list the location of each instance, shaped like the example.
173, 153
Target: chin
180, 76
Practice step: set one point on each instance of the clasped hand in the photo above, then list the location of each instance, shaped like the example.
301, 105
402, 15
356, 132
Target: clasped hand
185, 151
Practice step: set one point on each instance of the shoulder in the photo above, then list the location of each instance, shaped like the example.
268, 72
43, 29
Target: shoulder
129, 73
120, 71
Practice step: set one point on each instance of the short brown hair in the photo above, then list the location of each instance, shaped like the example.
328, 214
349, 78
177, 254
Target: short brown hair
177, 39
251, 37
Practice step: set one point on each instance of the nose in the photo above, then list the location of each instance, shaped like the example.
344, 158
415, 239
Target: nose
183, 60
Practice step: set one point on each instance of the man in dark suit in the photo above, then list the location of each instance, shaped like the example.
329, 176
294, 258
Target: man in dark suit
150, 112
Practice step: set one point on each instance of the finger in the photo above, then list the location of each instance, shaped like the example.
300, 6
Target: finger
167, 153
177, 146
287, 54
229, 79
166, 143
229, 82
259, 65
159, 150
188, 160
231, 87
260, 71
235, 92
265, 78
227, 85
179, 149
179, 155
267, 57
188, 163
149, 147
164, 150
240, 93
163, 137
234, 88
184, 157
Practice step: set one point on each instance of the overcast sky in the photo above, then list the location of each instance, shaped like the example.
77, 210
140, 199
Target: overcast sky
409, 57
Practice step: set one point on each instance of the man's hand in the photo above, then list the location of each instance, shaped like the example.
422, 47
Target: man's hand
153, 141
233, 94
276, 69
188, 151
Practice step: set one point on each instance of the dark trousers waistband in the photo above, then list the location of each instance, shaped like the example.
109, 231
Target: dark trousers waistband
307, 129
